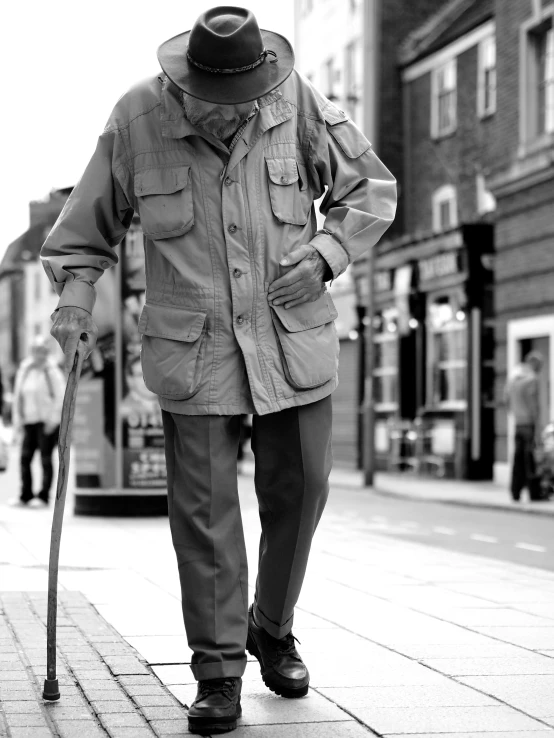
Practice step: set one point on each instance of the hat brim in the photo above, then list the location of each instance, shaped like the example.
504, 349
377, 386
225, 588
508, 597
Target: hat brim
227, 89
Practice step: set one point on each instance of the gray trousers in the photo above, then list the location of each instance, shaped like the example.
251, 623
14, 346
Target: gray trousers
293, 459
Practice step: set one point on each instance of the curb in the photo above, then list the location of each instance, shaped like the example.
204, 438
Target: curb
463, 503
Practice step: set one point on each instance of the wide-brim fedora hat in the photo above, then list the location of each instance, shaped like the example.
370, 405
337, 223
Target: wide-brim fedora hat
226, 58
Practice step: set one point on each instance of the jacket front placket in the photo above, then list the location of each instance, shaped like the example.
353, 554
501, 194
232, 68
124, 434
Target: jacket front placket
246, 293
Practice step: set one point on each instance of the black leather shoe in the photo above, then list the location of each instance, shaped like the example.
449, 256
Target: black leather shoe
282, 668
216, 707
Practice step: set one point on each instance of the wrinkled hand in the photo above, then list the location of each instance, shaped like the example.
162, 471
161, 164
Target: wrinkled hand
302, 283
69, 324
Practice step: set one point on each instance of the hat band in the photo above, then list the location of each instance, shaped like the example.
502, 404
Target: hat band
236, 70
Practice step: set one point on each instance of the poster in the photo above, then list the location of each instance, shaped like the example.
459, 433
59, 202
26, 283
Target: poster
140, 414
88, 428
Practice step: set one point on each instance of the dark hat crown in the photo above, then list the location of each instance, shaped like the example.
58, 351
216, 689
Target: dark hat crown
226, 37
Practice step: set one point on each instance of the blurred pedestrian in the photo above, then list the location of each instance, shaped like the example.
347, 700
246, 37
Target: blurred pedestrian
37, 405
522, 399
223, 156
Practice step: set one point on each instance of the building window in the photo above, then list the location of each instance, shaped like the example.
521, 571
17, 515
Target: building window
486, 202
331, 76
385, 365
539, 81
443, 99
353, 80
446, 354
486, 81
445, 209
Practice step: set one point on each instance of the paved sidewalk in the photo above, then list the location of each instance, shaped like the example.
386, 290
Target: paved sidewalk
400, 638
453, 492
105, 688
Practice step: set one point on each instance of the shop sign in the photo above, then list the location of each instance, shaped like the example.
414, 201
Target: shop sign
382, 281
438, 266
88, 427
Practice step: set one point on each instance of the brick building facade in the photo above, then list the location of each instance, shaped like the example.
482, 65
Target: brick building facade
523, 185
433, 328
348, 50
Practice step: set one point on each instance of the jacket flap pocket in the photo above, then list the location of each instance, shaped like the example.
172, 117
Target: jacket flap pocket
177, 324
162, 180
308, 315
282, 171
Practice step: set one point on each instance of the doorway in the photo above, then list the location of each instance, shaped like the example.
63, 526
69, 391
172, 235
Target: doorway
541, 344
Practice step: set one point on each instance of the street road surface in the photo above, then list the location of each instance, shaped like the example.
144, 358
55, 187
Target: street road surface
508, 536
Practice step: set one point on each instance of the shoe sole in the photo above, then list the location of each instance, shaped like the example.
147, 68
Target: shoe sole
278, 689
201, 726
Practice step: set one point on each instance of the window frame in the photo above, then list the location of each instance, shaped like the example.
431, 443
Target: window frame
436, 131
483, 111
353, 79
532, 135
388, 314
462, 364
445, 194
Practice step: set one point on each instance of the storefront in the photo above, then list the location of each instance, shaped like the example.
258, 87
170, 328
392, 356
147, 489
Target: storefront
433, 357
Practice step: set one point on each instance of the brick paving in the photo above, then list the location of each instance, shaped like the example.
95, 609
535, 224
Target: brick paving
95, 669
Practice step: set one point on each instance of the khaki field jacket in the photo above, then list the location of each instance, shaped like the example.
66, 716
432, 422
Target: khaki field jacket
216, 225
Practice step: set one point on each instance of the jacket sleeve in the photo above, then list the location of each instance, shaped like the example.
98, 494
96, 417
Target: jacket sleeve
94, 220
360, 201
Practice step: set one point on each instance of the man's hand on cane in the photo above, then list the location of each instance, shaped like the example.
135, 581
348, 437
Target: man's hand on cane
69, 325
302, 283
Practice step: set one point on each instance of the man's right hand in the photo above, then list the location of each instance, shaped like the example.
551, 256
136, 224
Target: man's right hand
69, 324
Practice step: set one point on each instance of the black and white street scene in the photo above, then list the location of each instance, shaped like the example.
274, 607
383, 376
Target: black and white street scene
277, 369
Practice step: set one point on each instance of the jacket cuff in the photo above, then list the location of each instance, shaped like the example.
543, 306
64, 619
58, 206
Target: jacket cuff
78, 294
332, 251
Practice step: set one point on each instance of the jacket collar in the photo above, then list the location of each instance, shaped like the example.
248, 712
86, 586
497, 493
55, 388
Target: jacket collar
274, 109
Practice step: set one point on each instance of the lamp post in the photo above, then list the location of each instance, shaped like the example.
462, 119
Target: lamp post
368, 435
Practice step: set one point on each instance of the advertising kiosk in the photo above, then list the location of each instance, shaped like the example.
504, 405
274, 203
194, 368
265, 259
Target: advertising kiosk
118, 453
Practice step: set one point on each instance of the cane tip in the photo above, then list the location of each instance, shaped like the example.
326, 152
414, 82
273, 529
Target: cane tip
51, 690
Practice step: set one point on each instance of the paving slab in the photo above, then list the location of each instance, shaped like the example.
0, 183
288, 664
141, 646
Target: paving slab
531, 694
478, 734
485, 666
443, 720
447, 695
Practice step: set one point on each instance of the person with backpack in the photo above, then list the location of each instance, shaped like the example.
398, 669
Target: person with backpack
37, 406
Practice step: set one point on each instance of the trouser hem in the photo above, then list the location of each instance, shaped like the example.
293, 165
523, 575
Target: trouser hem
218, 669
274, 629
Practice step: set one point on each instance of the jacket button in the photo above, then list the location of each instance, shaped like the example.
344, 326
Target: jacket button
284, 180
240, 320
228, 181
232, 228
237, 273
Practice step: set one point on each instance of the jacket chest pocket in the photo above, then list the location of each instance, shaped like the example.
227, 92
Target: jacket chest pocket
165, 202
173, 348
308, 342
289, 193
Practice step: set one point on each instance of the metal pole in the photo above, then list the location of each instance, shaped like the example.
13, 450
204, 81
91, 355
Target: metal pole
369, 412
118, 368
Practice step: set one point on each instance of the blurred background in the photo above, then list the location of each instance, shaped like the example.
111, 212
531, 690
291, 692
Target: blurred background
457, 98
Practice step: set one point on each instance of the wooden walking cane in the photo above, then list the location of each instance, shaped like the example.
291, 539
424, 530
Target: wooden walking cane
51, 688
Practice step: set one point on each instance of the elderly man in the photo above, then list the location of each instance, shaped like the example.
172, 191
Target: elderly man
222, 157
